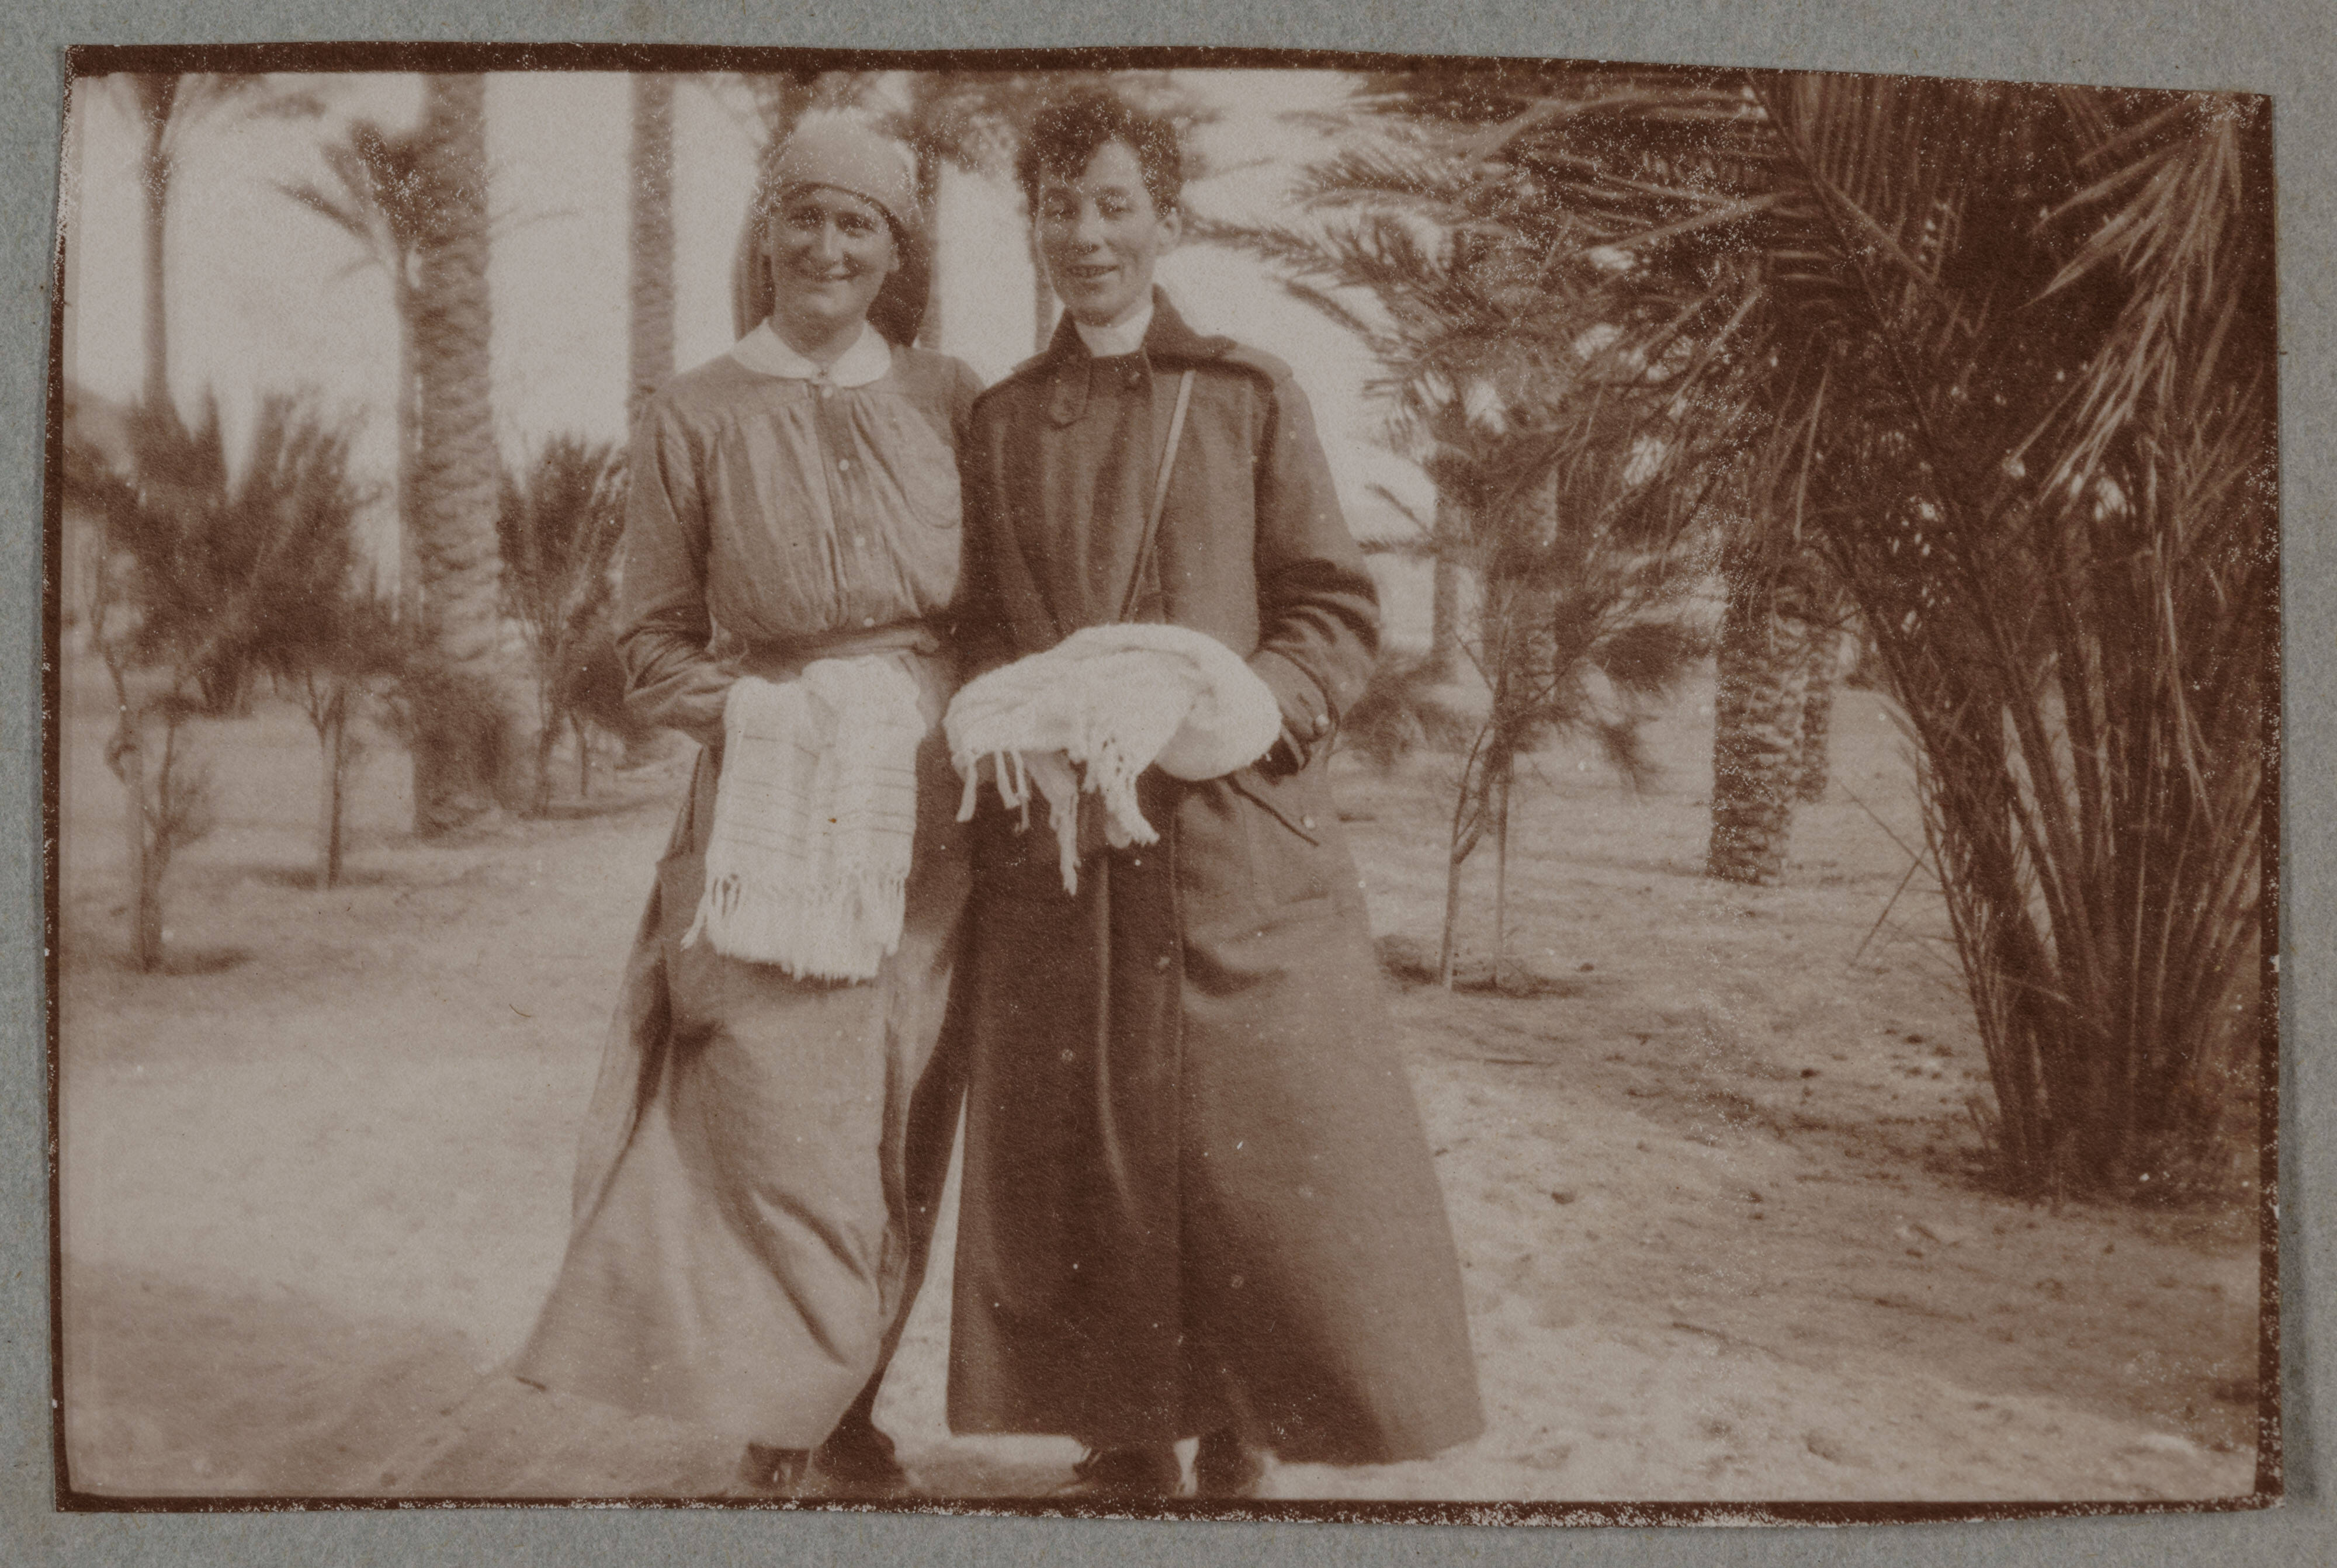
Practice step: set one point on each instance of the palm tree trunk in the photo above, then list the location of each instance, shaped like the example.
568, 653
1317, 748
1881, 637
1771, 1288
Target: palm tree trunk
1468, 828
547, 741
154, 862
1444, 598
470, 746
929, 193
413, 604
1042, 292
333, 740
1501, 867
154, 99
552, 702
146, 918
407, 417
1763, 673
1814, 765
125, 754
1448, 952
650, 352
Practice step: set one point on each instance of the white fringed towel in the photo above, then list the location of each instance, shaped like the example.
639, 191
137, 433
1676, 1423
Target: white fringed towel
1094, 712
814, 820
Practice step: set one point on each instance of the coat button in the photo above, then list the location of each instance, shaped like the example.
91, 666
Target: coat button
1307, 821
844, 464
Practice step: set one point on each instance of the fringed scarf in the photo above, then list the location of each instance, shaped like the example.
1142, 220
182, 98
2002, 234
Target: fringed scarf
814, 820
1096, 710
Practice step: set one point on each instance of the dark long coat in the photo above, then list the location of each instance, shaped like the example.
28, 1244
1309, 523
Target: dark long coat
1196, 1189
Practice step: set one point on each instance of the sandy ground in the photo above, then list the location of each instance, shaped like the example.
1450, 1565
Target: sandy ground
1712, 1173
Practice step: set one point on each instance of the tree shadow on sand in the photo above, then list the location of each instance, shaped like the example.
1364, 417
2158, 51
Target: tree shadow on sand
172, 1389
179, 960
1413, 963
178, 1390
304, 877
612, 803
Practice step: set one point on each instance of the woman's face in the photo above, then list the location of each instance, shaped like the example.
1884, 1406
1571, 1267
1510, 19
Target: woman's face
1102, 236
829, 253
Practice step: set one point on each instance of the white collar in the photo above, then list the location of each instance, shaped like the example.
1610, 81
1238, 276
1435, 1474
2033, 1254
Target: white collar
1124, 337
764, 351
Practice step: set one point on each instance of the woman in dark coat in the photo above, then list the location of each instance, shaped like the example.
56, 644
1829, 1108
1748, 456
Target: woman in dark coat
1197, 1199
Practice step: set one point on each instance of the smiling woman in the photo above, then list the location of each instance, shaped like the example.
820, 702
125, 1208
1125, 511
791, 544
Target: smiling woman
1197, 1202
829, 252
1103, 230
829, 204
754, 1197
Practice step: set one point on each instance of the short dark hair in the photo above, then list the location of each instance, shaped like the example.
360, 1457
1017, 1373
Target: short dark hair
1066, 134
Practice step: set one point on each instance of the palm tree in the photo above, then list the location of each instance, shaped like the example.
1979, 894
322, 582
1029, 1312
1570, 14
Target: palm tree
1581, 520
167, 109
156, 622
1585, 629
560, 523
1392, 117
1401, 167
377, 198
972, 121
1768, 673
212, 574
648, 358
472, 722
2002, 356
1769, 634
318, 629
1771, 681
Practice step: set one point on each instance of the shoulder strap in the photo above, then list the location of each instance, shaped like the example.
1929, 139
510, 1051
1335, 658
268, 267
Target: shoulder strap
1160, 496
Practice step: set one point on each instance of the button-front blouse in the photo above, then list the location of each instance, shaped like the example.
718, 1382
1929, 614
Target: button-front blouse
772, 511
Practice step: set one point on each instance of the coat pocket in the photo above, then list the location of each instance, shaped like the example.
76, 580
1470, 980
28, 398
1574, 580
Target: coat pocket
1288, 828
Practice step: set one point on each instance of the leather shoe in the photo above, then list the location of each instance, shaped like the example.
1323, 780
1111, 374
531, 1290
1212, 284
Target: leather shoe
1139, 1470
859, 1460
768, 1472
1226, 1466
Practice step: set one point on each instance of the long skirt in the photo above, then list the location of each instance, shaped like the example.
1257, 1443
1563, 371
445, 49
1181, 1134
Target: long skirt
764, 1156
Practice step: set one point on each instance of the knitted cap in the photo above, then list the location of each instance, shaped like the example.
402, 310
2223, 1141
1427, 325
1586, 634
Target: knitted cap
846, 155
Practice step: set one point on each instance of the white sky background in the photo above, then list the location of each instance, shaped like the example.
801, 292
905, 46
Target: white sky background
266, 296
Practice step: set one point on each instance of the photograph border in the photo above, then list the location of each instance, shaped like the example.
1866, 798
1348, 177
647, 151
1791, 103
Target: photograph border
447, 54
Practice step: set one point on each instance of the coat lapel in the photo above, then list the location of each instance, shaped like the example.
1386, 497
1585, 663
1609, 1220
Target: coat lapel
1171, 347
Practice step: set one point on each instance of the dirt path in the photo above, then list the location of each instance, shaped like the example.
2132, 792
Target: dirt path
1712, 1179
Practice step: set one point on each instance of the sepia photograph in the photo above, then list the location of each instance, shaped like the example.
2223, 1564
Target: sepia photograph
1161, 784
